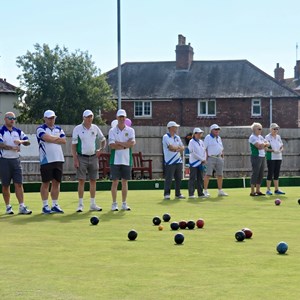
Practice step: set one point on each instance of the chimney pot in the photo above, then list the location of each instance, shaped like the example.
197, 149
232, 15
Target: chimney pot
279, 73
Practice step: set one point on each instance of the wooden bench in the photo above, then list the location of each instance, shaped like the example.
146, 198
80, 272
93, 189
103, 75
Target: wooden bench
104, 168
140, 165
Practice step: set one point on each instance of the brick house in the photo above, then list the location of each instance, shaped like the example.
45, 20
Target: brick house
8, 97
199, 93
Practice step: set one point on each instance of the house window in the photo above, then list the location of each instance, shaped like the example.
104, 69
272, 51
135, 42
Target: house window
207, 108
142, 108
256, 108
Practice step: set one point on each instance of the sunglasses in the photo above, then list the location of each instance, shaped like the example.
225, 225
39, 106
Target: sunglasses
259, 128
275, 128
217, 129
51, 118
11, 118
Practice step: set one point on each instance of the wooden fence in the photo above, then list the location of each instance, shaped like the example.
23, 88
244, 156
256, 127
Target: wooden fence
149, 142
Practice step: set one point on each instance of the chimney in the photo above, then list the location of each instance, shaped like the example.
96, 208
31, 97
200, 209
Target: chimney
184, 54
279, 73
297, 70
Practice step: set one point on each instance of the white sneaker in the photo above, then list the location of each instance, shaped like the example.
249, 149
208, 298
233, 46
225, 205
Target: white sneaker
167, 197
95, 207
80, 208
192, 197
222, 193
125, 206
114, 206
180, 197
9, 210
206, 194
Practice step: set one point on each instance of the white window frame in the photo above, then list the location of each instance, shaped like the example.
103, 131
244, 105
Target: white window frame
143, 115
256, 102
206, 108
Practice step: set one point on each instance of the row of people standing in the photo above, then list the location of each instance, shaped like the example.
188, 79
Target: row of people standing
87, 143
205, 155
269, 147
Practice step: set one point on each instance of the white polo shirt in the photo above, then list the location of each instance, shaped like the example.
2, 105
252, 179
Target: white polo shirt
8, 137
275, 144
213, 145
87, 140
170, 157
122, 156
49, 152
197, 152
253, 139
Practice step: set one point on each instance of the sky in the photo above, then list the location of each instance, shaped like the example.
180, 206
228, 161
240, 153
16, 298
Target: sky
265, 32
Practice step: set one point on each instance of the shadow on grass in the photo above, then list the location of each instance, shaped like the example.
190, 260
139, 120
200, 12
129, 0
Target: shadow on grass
62, 218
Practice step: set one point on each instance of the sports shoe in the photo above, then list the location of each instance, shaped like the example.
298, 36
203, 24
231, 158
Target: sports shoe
279, 192
79, 208
95, 207
192, 197
125, 206
206, 194
9, 210
222, 193
180, 197
24, 211
268, 192
202, 196
57, 209
167, 197
46, 210
114, 206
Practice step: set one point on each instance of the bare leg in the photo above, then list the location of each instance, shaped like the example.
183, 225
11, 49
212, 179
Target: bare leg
55, 187
206, 181
220, 182
124, 189
92, 188
81, 187
19, 192
44, 190
6, 193
114, 189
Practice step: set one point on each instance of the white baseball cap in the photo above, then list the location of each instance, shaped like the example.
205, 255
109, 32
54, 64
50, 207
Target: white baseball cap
274, 125
49, 114
121, 113
172, 124
197, 130
214, 126
87, 113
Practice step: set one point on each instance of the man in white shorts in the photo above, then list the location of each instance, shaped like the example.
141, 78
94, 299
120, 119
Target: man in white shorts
87, 143
121, 139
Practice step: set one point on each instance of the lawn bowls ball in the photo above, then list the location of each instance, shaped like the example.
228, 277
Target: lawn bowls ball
200, 223
191, 224
179, 238
248, 233
166, 217
240, 236
174, 226
94, 220
282, 247
156, 221
182, 224
132, 235
277, 201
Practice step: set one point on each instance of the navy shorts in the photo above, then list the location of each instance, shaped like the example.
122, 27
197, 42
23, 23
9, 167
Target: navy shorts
10, 169
52, 171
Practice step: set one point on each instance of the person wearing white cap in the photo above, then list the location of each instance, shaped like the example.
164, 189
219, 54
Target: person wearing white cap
121, 139
172, 149
215, 159
197, 160
87, 143
274, 159
11, 139
50, 138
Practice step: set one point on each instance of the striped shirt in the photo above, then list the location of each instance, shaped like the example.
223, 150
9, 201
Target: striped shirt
170, 157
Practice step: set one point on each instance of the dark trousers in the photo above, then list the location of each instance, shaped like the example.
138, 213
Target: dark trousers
173, 171
196, 179
273, 169
258, 166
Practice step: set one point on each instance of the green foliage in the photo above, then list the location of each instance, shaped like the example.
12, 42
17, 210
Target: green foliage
67, 83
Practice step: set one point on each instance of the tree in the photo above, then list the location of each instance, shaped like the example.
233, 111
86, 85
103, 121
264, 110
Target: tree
67, 83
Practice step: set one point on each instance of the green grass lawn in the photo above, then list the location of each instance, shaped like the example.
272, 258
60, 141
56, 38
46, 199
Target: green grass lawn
64, 257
